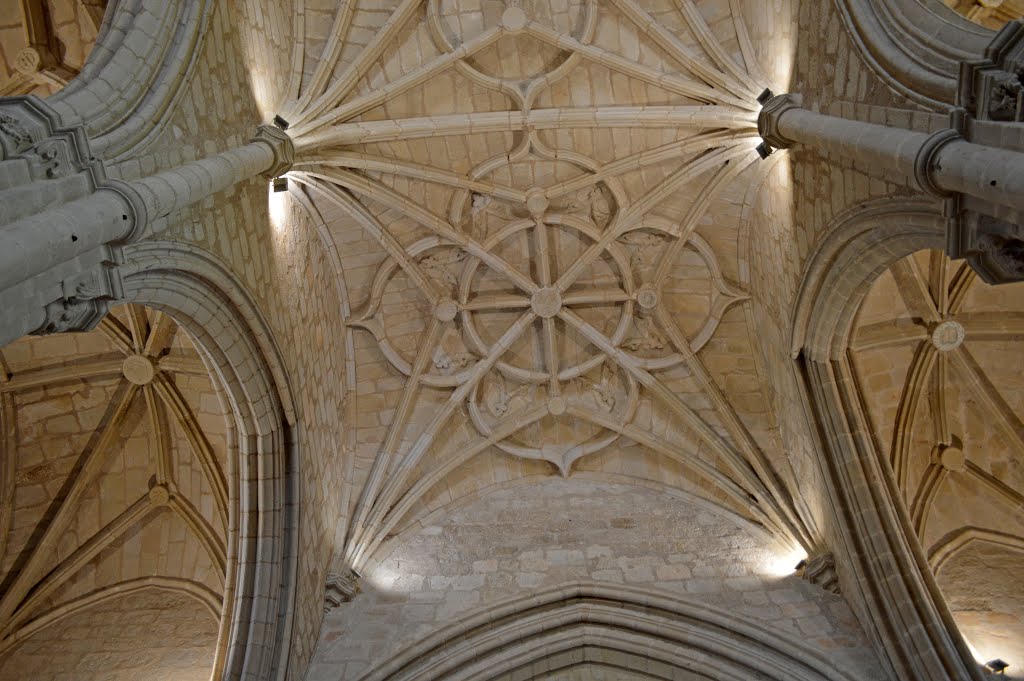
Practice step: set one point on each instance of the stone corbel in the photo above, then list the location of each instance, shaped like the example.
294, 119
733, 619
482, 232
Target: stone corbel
342, 587
282, 146
820, 570
992, 88
768, 121
31, 130
993, 247
86, 299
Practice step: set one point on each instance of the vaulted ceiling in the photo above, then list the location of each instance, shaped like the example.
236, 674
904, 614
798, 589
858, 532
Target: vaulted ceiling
114, 503
937, 353
536, 215
43, 45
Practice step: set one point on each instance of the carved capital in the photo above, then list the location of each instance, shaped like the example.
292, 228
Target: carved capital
768, 120
31, 130
820, 570
86, 300
282, 146
992, 88
993, 247
342, 587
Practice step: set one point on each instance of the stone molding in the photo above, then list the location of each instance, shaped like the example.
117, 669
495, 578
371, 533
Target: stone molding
87, 297
992, 88
926, 159
31, 129
678, 633
903, 610
230, 331
768, 120
914, 47
125, 93
993, 247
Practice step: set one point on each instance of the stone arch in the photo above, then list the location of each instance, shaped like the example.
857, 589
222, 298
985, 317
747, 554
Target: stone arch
676, 634
238, 347
862, 242
202, 594
915, 46
152, 627
886, 575
113, 476
124, 98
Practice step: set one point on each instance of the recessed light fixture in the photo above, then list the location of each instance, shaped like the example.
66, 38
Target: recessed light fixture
997, 665
280, 184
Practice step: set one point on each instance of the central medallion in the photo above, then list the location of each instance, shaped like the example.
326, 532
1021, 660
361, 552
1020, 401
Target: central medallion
546, 302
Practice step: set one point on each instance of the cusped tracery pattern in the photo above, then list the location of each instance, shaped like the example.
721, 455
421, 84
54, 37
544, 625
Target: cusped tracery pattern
938, 353
114, 489
519, 199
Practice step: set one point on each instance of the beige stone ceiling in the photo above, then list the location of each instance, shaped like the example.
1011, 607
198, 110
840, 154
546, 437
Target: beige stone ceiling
535, 211
989, 13
43, 45
114, 499
937, 353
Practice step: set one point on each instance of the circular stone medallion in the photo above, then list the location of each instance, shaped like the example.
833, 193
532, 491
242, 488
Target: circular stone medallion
138, 369
948, 335
446, 310
647, 297
546, 302
514, 19
953, 459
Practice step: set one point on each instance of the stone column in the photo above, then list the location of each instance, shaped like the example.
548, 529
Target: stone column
59, 253
942, 164
976, 165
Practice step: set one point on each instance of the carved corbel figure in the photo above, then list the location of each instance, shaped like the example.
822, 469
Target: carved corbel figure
87, 299
341, 587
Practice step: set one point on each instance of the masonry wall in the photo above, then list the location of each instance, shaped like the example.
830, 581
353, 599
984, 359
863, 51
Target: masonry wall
525, 538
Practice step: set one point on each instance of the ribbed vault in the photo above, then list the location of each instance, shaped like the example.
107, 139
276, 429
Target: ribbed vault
115, 497
533, 210
932, 346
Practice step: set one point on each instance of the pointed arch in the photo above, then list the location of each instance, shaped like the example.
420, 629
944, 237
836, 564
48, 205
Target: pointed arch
674, 633
883, 568
230, 332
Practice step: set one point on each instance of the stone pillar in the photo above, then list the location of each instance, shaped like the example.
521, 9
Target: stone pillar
942, 164
59, 253
981, 179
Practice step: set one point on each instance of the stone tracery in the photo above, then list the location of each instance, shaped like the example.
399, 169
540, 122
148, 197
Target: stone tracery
555, 290
461, 163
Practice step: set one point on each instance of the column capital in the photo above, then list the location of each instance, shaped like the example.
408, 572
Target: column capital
341, 587
994, 248
992, 88
282, 146
87, 297
768, 120
31, 130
